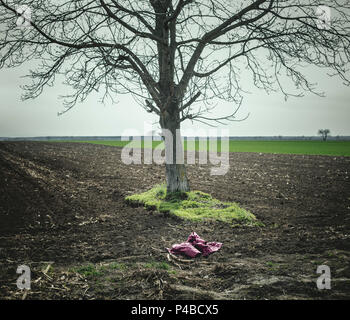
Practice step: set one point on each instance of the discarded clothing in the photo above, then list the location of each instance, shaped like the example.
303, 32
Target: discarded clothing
186, 249
195, 246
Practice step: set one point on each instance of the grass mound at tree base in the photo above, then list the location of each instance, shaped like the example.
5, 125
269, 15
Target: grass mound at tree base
192, 205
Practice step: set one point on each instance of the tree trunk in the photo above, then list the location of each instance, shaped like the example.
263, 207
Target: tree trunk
176, 178
176, 175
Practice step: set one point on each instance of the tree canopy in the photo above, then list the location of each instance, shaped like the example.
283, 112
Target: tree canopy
191, 50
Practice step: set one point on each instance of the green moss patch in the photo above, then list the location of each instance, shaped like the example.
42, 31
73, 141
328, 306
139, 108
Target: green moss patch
88, 271
192, 205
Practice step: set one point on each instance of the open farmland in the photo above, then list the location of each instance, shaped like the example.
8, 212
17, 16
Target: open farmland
332, 148
63, 213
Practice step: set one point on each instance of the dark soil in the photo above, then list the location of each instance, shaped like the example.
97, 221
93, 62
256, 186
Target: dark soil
62, 205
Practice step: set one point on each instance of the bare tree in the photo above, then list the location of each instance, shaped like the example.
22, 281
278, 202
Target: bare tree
176, 57
324, 133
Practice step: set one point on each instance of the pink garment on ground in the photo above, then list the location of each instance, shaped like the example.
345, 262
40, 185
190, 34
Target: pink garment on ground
195, 246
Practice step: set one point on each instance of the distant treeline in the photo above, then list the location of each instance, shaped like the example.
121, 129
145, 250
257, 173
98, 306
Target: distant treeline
157, 138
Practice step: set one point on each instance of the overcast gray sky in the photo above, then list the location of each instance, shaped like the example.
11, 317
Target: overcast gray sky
270, 115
